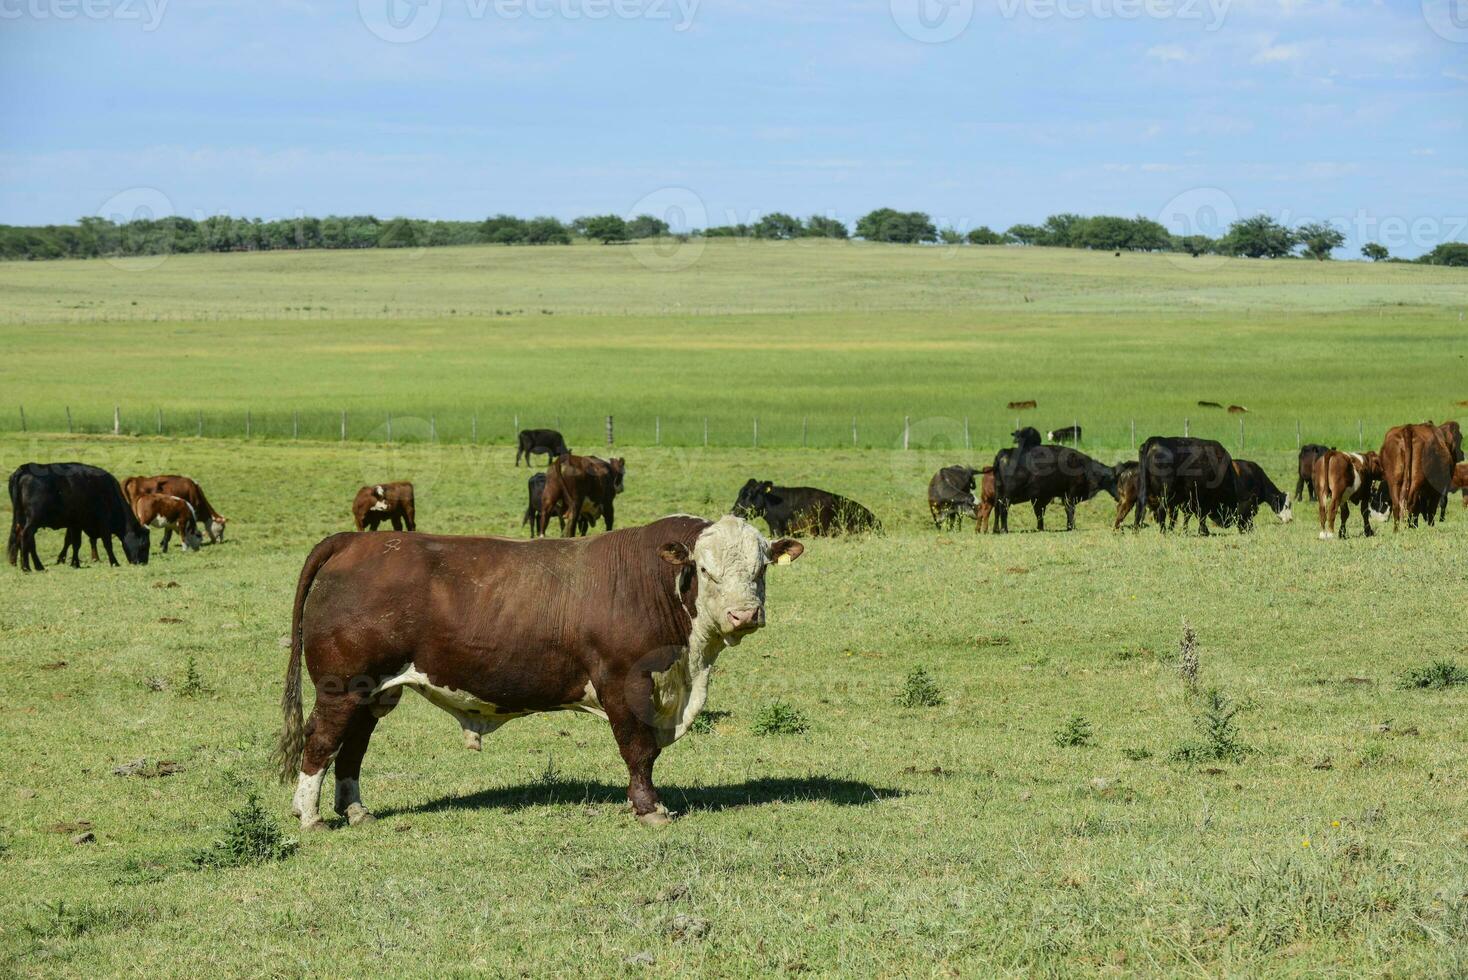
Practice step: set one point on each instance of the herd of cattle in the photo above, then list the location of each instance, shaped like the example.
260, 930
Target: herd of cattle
627, 625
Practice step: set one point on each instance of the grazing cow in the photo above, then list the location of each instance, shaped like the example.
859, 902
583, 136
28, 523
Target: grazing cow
546, 441
213, 522
1022, 405
1126, 493
625, 626
385, 502
1460, 480
590, 512
1453, 436
985, 509
1256, 486
581, 486
1417, 467
171, 514
1305, 480
1071, 434
951, 495
78, 498
1341, 479
1194, 476
802, 510
1042, 474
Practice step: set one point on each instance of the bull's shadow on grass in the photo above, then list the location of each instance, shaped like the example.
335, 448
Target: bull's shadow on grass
754, 792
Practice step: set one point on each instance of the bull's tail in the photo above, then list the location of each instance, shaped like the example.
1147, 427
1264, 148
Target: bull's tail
12, 543
292, 743
1408, 505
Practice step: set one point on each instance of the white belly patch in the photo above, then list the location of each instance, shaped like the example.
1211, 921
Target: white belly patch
474, 715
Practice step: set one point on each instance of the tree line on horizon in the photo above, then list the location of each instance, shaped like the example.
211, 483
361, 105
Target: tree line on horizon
1259, 236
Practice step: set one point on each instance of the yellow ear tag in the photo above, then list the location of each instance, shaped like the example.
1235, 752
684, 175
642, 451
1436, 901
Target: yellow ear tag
784, 560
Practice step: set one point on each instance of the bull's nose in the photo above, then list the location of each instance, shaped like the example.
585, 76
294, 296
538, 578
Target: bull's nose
741, 619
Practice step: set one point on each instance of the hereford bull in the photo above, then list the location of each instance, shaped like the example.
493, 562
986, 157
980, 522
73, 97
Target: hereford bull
1192, 476
1341, 479
581, 485
1417, 468
546, 441
210, 519
74, 497
385, 502
802, 510
625, 626
1043, 474
172, 515
1305, 472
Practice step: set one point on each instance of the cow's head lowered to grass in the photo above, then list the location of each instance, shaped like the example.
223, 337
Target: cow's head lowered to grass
728, 562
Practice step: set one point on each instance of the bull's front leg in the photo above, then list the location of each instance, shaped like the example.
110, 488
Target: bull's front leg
637, 741
1039, 507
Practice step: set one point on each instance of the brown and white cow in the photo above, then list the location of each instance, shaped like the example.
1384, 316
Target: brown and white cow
385, 502
173, 515
212, 521
625, 626
1417, 467
1339, 480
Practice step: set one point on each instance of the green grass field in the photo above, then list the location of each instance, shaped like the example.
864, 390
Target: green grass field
956, 839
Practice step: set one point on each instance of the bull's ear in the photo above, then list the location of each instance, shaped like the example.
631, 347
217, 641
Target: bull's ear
675, 554
786, 550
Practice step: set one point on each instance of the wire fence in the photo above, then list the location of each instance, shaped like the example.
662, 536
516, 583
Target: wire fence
596, 433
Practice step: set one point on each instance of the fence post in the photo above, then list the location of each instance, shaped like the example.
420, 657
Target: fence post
1187, 429
22, 418
657, 430
756, 432
116, 420
432, 427
68, 420
1075, 426
389, 426
344, 425
966, 444
705, 432
906, 431
804, 430
609, 430
1134, 435
199, 423
247, 423
517, 422
1297, 433
853, 431
159, 425
1360, 434
295, 425
474, 428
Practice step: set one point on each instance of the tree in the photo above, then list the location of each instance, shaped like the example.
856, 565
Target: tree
1448, 253
1026, 234
1320, 238
777, 225
398, 233
1258, 237
819, 226
950, 236
984, 235
887, 225
1194, 245
503, 229
607, 228
546, 231
646, 226
1065, 230
1375, 252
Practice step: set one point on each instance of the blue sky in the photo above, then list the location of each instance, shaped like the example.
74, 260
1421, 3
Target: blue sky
1178, 109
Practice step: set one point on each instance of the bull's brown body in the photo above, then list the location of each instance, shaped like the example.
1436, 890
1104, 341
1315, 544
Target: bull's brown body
581, 485
173, 515
1417, 466
385, 502
179, 486
1339, 480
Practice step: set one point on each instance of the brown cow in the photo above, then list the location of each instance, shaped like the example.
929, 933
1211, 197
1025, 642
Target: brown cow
171, 514
571, 482
179, 486
1339, 480
1460, 480
1453, 436
1417, 467
385, 502
625, 626
984, 511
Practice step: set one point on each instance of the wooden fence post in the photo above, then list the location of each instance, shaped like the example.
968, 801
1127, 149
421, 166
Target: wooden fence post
705, 432
1360, 434
609, 430
344, 425
158, 427
295, 425
68, 420
247, 423
199, 423
389, 426
116, 420
1297, 433
906, 431
853, 431
474, 428
1186, 429
517, 423
967, 445
432, 427
756, 432
22, 418
1134, 435
657, 430
1241, 433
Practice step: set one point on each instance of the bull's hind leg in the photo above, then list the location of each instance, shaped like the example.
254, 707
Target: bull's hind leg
326, 731
28, 553
349, 767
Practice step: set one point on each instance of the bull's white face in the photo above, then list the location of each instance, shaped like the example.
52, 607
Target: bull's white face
730, 558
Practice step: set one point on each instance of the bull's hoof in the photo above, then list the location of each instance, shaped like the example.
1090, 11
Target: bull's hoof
315, 825
358, 815
657, 818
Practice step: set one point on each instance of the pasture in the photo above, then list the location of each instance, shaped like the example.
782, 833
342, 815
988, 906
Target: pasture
1053, 815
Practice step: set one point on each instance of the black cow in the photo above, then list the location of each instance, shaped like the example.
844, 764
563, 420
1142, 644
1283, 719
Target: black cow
1071, 433
802, 510
1257, 487
951, 495
1043, 474
1309, 453
546, 441
1194, 476
74, 497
